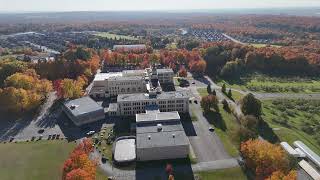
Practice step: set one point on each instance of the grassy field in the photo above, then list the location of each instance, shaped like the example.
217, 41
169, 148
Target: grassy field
223, 174
35, 160
236, 95
225, 124
262, 83
202, 92
113, 36
293, 120
263, 45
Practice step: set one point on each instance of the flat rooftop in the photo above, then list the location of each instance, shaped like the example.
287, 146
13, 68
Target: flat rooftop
167, 70
82, 106
145, 96
104, 76
170, 135
126, 78
157, 117
125, 150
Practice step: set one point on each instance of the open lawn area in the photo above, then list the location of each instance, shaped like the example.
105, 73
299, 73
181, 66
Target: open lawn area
34, 160
202, 92
263, 83
113, 36
263, 45
225, 125
294, 120
236, 96
223, 174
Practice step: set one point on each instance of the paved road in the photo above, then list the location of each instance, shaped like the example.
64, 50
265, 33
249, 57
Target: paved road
232, 39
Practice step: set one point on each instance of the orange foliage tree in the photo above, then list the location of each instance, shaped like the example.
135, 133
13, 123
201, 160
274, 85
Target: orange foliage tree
264, 158
279, 175
78, 165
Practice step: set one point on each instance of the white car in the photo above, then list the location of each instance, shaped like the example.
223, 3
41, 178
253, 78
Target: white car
211, 128
90, 133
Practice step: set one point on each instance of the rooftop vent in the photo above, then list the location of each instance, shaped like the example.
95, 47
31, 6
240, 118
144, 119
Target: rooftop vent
173, 135
72, 107
159, 127
149, 137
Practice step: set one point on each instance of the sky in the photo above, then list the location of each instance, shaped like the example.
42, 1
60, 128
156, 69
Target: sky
141, 5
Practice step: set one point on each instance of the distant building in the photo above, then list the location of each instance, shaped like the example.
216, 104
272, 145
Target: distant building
83, 111
160, 135
129, 82
131, 104
129, 48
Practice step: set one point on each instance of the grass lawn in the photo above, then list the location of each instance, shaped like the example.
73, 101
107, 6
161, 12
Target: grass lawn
223, 174
263, 83
34, 160
202, 92
113, 36
263, 45
236, 95
294, 120
225, 124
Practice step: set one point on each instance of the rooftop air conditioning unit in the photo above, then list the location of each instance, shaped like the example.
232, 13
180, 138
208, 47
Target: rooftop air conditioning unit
159, 127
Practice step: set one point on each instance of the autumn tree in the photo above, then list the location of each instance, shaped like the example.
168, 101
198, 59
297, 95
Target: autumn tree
182, 72
79, 165
250, 105
264, 158
279, 175
208, 102
69, 88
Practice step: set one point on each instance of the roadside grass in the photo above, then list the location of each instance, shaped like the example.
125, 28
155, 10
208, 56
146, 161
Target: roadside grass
114, 36
225, 125
264, 83
294, 120
33, 160
222, 174
202, 92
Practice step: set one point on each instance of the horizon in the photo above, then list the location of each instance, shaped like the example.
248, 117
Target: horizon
34, 6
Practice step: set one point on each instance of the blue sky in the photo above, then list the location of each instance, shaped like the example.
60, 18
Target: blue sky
117, 5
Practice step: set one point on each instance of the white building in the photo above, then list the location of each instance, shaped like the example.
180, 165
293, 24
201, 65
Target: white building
131, 104
128, 82
160, 135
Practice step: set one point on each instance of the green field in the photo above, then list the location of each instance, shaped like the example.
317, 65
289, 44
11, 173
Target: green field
225, 125
202, 92
294, 120
35, 160
263, 45
236, 96
262, 83
223, 174
114, 36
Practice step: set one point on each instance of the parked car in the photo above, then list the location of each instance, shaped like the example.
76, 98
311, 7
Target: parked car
195, 101
90, 133
211, 128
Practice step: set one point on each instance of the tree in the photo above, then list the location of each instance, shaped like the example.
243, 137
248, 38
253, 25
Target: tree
264, 158
208, 102
78, 174
69, 88
18, 100
182, 72
231, 70
229, 93
214, 92
250, 122
279, 175
225, 105
250, 105
79, 165
209, 89
223, 89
